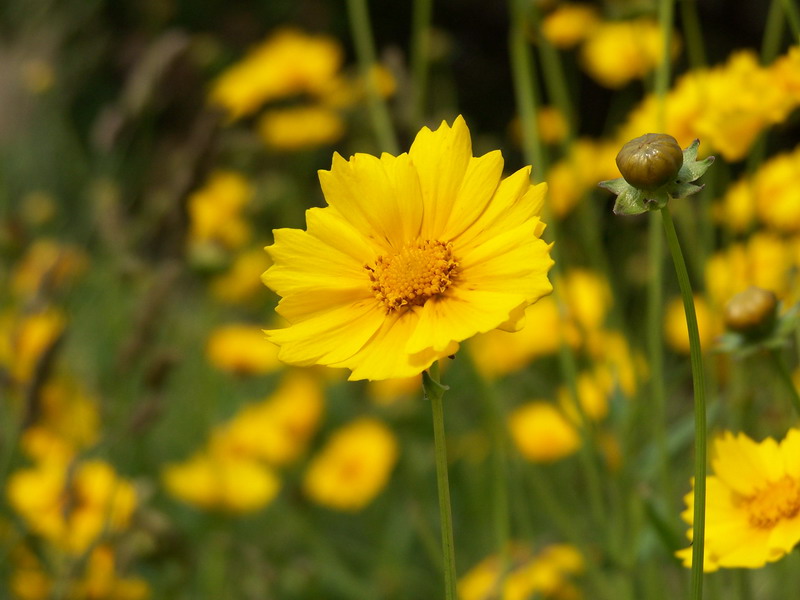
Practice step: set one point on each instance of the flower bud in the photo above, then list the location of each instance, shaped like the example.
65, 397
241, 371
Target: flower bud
649, 161
751, 312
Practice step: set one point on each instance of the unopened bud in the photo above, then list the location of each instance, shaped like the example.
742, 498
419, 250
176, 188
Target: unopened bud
751, 312
651, 160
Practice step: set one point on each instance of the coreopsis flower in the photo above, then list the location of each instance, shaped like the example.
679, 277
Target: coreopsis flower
412, 255
25, 338
752, 502
72, 507
353, 466
300, 128
215, 211
569, 24
546, 574
212, 480
542, 433
593, 393
239, 348
277, 429
287, 63
616, 52
676, 334
240, 283
46, 264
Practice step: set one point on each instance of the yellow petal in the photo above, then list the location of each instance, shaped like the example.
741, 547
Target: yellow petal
479, 185
441, 158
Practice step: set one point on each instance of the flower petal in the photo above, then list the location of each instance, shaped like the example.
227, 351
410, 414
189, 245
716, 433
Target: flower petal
441, 158
330, 336
477, 189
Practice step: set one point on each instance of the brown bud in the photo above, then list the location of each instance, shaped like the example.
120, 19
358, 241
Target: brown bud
651, 160
751, 312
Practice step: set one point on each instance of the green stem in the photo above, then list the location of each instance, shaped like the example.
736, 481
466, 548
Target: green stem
666, 12
793, 15
495, 417
420, 53
434, 392
786, 379
773, 32
365, 51
698, 383
524, 89
693, 33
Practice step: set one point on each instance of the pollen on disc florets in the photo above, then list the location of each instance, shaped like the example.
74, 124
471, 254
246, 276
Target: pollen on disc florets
781, 500
421, 270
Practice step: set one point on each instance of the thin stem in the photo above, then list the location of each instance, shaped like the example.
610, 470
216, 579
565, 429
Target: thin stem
434, 392
524, 89
495, 421
693, 34
793, 16
773, 32
786, 379
420, 53
698, 383
361, 31
666, 13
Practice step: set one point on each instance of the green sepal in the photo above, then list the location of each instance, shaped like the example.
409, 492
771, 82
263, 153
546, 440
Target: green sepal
683, 189
630, 201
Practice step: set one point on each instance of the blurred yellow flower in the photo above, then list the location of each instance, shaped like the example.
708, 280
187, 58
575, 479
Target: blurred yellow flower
388, 391
353, 466
569, 24
616, 52
726, 106
242, 281
587, 296
676, 333
592, 395
24, 338
278, 429
588, 162
242, 349
752, 502
617, 364
67, 421
542, 433
413, 255
764, 260
213, 480
300, 128
73, 507
777, 195
287, 63
551, 124
498, 352
215, 211
344, 92
737, 208
543, 575
46, 264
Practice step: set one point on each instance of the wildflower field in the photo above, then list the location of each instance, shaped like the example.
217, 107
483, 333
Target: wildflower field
319, 300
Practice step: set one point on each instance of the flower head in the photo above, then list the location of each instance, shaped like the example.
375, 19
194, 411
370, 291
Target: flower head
412, 255
753, 502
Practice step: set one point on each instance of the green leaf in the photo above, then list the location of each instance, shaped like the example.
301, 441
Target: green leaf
630, 202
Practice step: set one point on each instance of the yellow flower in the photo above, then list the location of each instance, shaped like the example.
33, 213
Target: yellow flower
542, 433
289, 62
587, 296
215, 211
764, 260
218, 481
300, 128
569, 24
617, 364
101, 581
67, 421
72, 508
618, 52
676, 333
499, 352
412, 255
737, 209
46, 263
752, 502
777, 195
24, 339
552, 126
242, 349
241, 282
592, 395
276, 430
543, 575
353, 467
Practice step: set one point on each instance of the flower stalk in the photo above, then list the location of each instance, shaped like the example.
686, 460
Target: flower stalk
699, 386
434, 391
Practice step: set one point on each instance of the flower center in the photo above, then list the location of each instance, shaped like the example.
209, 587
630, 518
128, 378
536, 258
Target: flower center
781, 500
421, 270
